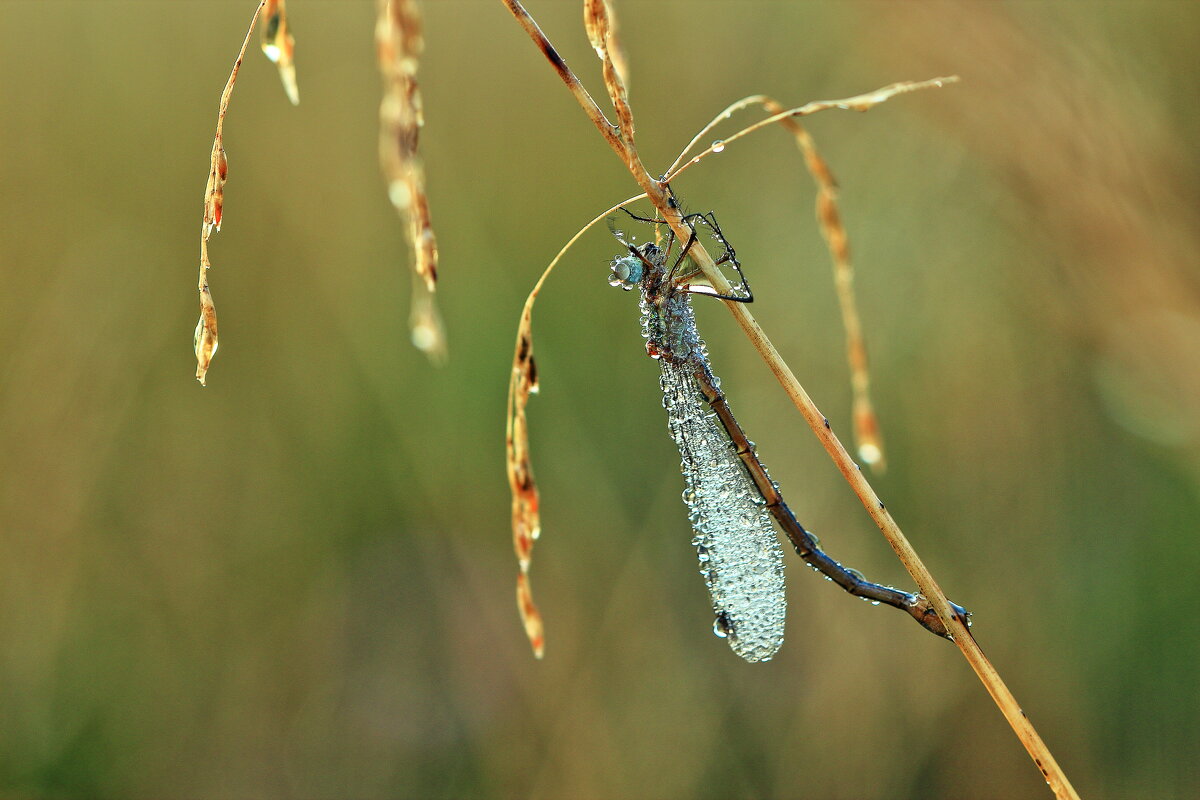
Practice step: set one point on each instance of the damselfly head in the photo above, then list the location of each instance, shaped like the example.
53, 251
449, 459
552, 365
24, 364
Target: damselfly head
627, 272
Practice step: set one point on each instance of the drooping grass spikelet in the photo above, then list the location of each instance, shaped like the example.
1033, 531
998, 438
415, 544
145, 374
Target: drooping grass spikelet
214, 190
205, 339
522, 382
600, 24
399, 42
425, 322
615, 50
279, 46
829, 218
526, 519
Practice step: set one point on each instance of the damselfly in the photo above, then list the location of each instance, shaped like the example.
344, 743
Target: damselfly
731, 499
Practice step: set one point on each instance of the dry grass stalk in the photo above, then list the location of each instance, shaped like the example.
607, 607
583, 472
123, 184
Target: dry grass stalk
205, 339
656, 192
399, 43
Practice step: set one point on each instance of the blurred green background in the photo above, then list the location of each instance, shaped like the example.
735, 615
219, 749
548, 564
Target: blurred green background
298, 581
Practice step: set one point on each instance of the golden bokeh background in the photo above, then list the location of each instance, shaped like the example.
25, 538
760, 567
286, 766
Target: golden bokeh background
298, 581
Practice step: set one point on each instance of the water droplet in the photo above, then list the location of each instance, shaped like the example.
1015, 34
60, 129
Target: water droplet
718, 145
424, 337
870, 453
400, 194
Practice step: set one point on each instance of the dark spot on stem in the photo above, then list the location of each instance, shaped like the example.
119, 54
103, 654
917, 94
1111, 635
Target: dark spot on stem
553, 55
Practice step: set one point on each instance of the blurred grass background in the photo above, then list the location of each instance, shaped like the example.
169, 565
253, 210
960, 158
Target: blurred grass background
298, 582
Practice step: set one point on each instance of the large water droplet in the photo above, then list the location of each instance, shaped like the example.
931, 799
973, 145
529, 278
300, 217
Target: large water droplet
870, 453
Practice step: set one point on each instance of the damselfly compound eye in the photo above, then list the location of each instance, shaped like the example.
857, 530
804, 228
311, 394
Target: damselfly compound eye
626, 272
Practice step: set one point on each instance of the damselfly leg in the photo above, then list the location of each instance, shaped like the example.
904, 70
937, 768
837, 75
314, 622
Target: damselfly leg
684, 270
